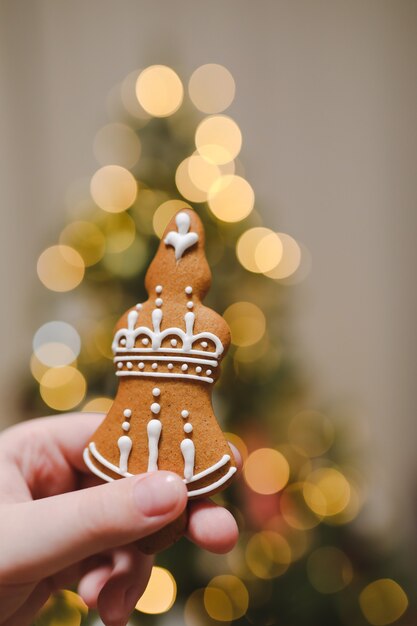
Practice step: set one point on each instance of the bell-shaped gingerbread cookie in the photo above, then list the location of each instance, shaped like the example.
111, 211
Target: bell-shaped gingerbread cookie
167, 357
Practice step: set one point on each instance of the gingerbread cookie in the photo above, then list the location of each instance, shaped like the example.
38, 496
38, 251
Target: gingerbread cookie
167, 357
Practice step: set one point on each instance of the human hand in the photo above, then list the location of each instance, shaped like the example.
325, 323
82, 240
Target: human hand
59, 528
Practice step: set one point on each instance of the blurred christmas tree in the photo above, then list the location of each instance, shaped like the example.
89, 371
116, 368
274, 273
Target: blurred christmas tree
299, 560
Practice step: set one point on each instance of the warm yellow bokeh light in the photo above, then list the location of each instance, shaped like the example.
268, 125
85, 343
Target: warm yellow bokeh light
60, 268
113, 188
329, 569
231, 198
185, 185
218, 139
129, 262
86, 238
165, 212
383, 602
259, 249
127, 94
266, 471
117, 144
37, 368
226, 598
268, 554
119, 230
326, 491
247, 323
73, 600
294, 509
311, 433
62, 388
203, 174
160, 593
290, 260
159, 90
195, 613
211, 88
98, 405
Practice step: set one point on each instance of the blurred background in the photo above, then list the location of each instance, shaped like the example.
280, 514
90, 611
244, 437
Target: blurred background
291, 128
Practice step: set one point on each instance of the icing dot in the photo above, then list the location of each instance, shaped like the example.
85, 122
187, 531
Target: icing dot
198, 369
188, 290
156, 391
190, 305
184, 367
158, 289
138, 306
145, 341
188, 428
127, 413
155, 407
174, 342
184, 414
204, 344
154, 366
170, 366
158, 302
141, 365
122, 342
120, 365
126, 426
208, 372
129, 365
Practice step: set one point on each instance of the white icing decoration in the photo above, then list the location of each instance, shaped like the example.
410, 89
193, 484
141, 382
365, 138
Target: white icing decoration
205, 379
209, 470
154, 432
190, 305
188, 359
129, 365
204, 344
105, 462
127, 413
158, 289
145, 341
188, 290
125, 446
93, 468
188, 428
123, 342
120, 364
141, 366
170, 366
188, 453
138, 306
158, 302
174, 342
157, 336
154, 366
212, 486
198, 369
156, 392
126, 426
183, 239
208, 372
184, 367
184, 414
155, 407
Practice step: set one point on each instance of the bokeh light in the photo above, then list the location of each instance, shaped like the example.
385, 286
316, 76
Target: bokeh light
60, 268
86, 238
383, 602
203, 174
165, 212
266, 471
329, 569
185, 185
290, 260
231, 198
98, 405
128, 262
226, 598
56, 343
159, 90
195, 613
218, 139
268, 554
127, 94
117, 144
326, 491
160, 594
295, 510
73, 600
113, 188
62, 388
311, 433
247, 323
119, 230
211, 88
259, 249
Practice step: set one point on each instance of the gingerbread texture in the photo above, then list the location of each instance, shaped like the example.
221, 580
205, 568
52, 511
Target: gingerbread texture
167, 359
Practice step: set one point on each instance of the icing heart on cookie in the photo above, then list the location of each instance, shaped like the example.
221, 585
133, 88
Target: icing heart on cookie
183, 239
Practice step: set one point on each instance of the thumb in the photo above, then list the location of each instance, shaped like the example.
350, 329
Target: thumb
47, 535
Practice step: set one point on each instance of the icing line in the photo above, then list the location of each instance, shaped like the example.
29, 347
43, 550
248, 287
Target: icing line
223, 479
154, 432
188, 453
117, 359
225, 458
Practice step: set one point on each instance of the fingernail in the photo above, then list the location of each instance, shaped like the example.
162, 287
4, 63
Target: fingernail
158, 493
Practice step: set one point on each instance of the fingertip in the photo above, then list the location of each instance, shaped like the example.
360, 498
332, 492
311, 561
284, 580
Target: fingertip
160, 494
212, 527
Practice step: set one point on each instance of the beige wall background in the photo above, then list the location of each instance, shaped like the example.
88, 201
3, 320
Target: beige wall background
327, 101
